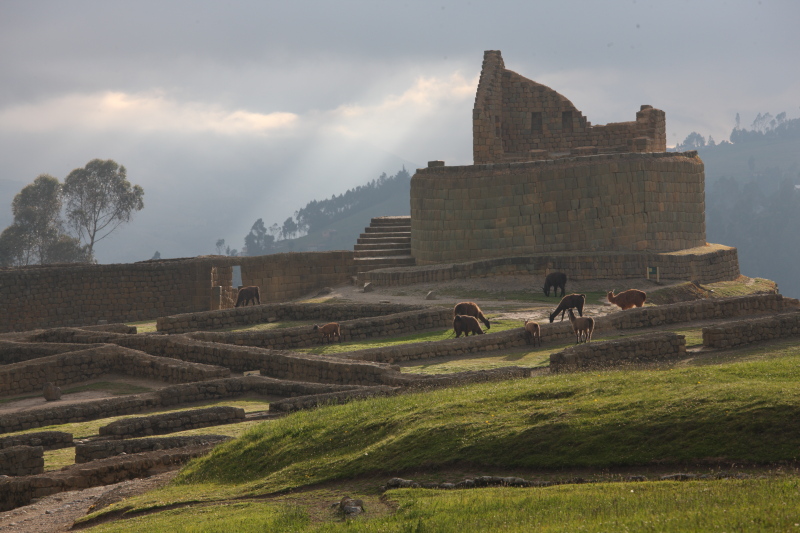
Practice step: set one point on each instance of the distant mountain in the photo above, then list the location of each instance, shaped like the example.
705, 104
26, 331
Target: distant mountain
753, 201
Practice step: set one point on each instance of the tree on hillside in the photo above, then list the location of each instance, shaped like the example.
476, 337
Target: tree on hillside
99, 198
37, 235
693, 141
220, 246
257, 242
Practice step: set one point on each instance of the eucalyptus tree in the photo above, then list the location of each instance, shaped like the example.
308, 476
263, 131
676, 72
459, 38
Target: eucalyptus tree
99, 198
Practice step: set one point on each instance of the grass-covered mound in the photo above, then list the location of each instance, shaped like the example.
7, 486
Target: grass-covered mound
736, 412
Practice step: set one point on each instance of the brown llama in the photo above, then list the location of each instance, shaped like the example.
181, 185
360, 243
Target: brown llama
248, 294
328, 331
533, 333
466, 324
471, 309
583, 327
570, 301
628, 299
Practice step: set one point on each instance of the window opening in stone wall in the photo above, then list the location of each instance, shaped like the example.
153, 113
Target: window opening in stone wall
236, 277
536, 121
566, 121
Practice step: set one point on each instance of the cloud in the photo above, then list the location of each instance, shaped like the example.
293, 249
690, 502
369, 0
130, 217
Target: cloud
139, 113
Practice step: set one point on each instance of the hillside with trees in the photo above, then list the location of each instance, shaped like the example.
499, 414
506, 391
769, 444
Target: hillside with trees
330, 224
753, 196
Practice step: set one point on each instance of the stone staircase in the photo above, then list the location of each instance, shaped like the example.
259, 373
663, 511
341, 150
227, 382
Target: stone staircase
385, 243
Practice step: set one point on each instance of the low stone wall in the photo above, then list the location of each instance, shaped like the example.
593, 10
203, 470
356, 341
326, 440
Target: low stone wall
752, 330
48, 440
262, 314
640, 349
351, 330
16, 492
710, 309
172, 422
166, 397
15, 352
82, 365
707, 264
92, 451
21, 460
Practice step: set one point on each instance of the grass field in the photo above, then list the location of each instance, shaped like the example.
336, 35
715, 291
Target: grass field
742, 411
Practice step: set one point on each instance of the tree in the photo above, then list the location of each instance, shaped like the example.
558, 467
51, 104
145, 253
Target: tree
156, 256
693, 141
37, 235
257, 242
99, 198
289, 228
220, 245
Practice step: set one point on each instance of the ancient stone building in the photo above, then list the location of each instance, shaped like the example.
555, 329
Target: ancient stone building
516, 119
545, 181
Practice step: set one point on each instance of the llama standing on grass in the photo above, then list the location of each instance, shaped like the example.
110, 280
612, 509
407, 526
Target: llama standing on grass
248, 294
570, 301
471, 309
555, 280
466, 324
628, 299
328, 331
583, 327
533, 333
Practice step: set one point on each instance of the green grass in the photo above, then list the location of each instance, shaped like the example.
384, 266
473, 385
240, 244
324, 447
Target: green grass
144, 326
270, 325
532, 295
427, 336
729, 505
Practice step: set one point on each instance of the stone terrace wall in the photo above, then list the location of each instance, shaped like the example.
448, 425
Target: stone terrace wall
613, 202
72, 367
706, 264
167, 397
710, 309
260, 314
46, 296
14, 352
21, 461
351, 330
752, 330
640, 349
75, 295
16, 492
92, 451
172, 422
49, 440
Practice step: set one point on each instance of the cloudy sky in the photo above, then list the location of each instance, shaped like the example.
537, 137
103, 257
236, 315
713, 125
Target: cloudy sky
225, 112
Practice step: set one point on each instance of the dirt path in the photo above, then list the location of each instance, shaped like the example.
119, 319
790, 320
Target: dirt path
57, 512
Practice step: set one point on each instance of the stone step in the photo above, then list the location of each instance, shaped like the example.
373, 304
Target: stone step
391, 221
383, 246
384, 239
361, 254
383, 262
388, 229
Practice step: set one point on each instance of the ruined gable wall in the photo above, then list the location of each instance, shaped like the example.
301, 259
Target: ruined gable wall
514, 116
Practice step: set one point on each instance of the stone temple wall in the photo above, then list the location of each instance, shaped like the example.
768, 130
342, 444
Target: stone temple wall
79, 295
652, 202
